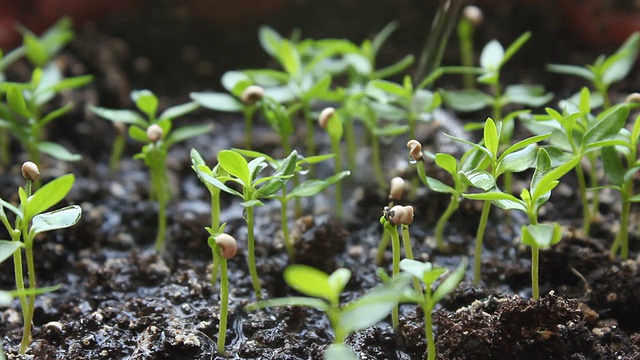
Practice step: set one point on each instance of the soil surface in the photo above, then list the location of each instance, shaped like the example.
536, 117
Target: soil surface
122, 300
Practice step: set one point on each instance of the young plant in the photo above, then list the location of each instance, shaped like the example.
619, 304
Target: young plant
31, 220
158, 134
246, 175
307, 188
516, 158
23, 111
605, 70
471, 18
331, 121
390, 219
429, 298
537, 236
576, 132
224, 247
325, 291
621, 174
396, 188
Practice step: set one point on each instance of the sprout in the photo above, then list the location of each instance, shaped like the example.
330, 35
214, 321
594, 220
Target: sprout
415, 150
228, 245
396, 188
400, 215
633, 98
473, 14
154, 133
30, 171
324, 117
252, 94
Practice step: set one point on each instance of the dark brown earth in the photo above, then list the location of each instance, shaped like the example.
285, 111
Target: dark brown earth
121, 300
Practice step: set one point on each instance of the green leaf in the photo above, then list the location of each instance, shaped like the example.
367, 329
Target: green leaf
7, 248
269, 40
613, 168
541, 235
235, 81
554, 175
217, 101
290, 301
466, 100
146, 102
382, 36
529, 95
335, 128
523, 143
618, 66
572, 70
314, 186
609, 124
138, 134
515, 46
57, 151
447, 162
437, 185
35, 50
187, 132
289, 58
337, 282
394, 69
492, 55
251, 203
517, 161
423, 271
236, 165
208, 179
16, 101
391, 88
70, 83
450, 283
9, 206
123, 116
56, 114
48, 195
339, 352
491, 138
179, 110
319, 88
479, 179
309, 281
270, 187
56, 219
391, 130
543, 167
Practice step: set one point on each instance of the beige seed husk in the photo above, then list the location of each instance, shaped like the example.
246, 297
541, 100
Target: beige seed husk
396, 188
228, 245
30, 171
154, 133
415, 150
325, 115
252, 94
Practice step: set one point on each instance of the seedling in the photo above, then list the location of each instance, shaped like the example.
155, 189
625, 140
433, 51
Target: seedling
605, 70
428, 275
330, 120
246, 175
471, 18
22, 113
621, 177
224, 247
325, 291
396, 188
391, 218
158, 134
516, 158
576, 132
31, 220
537, 236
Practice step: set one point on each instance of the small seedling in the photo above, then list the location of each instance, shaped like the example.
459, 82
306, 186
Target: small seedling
605, 70
428, 275
307, 188
31, 220
224, 247
471, 18
576, 132
325, 291
516, 158
23, 112
158, 134
537, 236
390, 220
396, 188
331, 121
246, 175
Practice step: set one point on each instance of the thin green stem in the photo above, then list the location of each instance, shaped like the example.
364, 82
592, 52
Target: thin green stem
442, 221
215, 225
19, 278
395, 247
160, 187
224, 303
4, 147
622, 238
117, 149
428, 325
310, 135
31, 273
534, 271
248, 125
377, 161
465, 37
586, 208
382, 246
335, 147
251, 256
408, 252
350, 139
484, 218
593, 183
285, 226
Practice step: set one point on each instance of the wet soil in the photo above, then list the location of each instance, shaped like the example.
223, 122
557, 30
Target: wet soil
121, 300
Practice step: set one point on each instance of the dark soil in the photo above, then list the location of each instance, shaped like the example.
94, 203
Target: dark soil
121, 300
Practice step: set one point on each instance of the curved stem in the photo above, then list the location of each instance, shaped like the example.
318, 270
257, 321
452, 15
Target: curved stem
444, 218
484, 218
382, 246
224, 303
395, 246
251, 256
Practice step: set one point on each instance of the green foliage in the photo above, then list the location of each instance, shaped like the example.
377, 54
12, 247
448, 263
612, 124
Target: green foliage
428, 275
31, 218
325, 291
22, 112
